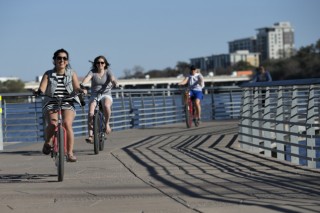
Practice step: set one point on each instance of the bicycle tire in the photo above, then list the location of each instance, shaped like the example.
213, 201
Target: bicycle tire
96, 135
102, 132
188, 116
61, 154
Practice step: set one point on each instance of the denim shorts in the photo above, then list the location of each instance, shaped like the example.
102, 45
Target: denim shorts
196, 94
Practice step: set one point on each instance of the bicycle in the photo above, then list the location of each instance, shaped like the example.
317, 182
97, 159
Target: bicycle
59, 139
189, 109
99, 125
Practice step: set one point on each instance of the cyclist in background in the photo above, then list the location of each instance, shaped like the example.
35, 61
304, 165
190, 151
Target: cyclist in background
102, 80
61, 81
195, 84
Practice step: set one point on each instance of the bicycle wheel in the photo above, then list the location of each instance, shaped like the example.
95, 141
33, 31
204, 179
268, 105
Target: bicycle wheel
188, 115
61, 154
96, 135
102, 132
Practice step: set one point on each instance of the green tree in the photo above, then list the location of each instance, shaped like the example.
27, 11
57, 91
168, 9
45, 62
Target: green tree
12, 86
242, 65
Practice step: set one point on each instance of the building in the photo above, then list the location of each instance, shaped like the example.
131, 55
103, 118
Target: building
276, 42
210, 63
249, 44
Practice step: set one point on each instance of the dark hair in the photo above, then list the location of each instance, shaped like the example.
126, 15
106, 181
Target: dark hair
56, 53
94, 68
192, 67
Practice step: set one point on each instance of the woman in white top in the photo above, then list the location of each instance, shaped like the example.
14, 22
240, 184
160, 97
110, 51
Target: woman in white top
195, 84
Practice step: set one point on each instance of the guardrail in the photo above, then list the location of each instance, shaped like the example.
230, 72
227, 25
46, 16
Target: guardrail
281, 119
22, 119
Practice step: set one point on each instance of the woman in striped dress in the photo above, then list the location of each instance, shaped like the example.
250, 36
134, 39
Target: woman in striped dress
61, 81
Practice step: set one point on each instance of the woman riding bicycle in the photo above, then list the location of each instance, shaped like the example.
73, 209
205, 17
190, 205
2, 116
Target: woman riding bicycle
62, 82
102, 80
195, 84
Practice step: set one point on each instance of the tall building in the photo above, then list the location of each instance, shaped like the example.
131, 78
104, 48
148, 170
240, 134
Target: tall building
243, 44
275, 42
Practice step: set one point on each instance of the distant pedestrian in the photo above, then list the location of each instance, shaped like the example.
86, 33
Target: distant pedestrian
262, 75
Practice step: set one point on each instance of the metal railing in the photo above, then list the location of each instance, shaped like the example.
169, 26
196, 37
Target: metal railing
281, 119
22, 119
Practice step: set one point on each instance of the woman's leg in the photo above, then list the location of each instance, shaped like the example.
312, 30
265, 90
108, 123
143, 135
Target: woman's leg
198, 108
107, 103
68, 117
92, 106
51, 119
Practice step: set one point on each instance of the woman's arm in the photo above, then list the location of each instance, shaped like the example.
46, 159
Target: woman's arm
184, 81
87, 78
43, 84
75, 82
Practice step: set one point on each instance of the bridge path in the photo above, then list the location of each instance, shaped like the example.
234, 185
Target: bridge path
160, 169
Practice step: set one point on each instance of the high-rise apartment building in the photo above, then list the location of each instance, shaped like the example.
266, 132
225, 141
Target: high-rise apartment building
275, 42
243, 44
269, 43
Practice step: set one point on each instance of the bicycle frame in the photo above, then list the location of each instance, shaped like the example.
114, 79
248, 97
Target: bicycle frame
55, 136
59, 140
189, 108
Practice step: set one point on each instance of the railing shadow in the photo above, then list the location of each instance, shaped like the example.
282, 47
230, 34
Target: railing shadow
207, 165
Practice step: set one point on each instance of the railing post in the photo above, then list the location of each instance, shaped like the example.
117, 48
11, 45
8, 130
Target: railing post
245, 121
256, 123
294, 118
279, 125
310, 129
1, 133
266, 125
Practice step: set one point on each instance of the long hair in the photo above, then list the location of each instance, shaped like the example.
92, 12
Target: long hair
94, 67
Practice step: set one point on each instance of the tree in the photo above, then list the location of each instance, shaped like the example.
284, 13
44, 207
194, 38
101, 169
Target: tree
12, 86
242, 65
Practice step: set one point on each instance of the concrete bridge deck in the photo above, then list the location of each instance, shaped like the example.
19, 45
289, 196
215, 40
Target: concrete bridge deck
161, 169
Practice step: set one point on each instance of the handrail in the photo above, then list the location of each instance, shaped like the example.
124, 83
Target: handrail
281, 119
132, 108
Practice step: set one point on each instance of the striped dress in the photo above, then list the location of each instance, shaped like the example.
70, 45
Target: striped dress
61, 91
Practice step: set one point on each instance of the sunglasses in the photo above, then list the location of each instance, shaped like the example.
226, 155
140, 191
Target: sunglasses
100, 62
59, 58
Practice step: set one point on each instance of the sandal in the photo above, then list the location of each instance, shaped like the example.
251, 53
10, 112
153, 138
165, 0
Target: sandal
46, 149
89, 139
71, 158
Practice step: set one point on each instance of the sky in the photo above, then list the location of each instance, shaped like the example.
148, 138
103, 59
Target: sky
152, 34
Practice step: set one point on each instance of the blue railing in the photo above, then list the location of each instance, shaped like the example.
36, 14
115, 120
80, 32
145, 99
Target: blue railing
22, 119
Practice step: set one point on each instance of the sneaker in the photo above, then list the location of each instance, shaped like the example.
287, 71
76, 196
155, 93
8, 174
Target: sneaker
46, 149
71, 158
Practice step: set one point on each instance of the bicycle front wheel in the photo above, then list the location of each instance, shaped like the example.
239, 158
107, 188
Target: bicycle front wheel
61, 154
96, 135
102, 132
